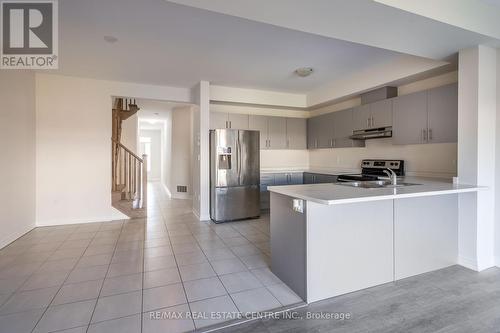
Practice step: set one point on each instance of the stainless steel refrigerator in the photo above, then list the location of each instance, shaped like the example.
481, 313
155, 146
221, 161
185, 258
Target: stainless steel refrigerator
234, 174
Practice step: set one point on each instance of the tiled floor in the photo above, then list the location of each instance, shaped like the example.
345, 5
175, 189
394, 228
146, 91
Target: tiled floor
169, 273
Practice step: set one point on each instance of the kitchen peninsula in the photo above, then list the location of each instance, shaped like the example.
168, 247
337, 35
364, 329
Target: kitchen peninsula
331, 239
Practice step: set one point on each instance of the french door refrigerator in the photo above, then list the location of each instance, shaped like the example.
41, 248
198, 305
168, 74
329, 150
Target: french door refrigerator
234, 174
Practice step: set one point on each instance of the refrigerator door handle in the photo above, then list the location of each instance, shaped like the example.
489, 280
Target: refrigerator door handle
238, 156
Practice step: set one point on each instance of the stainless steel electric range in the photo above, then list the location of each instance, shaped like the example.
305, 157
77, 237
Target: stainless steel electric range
373, 169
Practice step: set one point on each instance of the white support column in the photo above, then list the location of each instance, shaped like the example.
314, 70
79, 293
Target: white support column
201, 165
497, 167
204, 150
476, 155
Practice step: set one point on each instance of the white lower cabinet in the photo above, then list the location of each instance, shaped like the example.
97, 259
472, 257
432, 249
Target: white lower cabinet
330, 250
349, 247
425, 234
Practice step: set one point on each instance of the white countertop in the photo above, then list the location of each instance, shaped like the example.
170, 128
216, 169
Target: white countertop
324, 171
333, 194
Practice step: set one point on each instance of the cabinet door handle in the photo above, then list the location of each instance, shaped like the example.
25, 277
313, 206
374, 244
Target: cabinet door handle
226, 124
230, 124
430, 134
368, 122
288, 143
373, 122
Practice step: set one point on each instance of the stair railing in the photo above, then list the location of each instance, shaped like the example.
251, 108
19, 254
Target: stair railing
129, 174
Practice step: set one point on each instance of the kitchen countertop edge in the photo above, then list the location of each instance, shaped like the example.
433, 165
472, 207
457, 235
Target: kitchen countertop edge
294, 191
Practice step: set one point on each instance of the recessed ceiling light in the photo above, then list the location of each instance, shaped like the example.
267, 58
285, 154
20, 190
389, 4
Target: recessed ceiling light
156, 113
304, 71
110, 39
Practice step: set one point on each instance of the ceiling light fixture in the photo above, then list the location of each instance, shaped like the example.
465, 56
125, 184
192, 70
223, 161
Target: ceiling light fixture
304, 71
110, 39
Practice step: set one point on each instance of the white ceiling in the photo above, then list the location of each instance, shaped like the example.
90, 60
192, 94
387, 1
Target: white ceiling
375, 23
164, 43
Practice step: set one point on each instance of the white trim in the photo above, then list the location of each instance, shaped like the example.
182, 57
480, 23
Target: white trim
468, 263
4, 241
185, 196
113, 217
117, 215
202, 217
205, 218
167, 191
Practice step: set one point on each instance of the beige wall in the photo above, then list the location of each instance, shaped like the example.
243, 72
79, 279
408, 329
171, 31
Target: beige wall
129, 133
155, 159
295, 159
181, 173
433, 160
73, 178
17, 147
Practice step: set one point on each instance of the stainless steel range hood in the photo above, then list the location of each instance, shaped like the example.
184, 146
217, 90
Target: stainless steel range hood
375, 132
372, 133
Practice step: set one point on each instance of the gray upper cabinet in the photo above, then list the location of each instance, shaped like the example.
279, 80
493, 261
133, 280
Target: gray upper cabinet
277, 133
381, 113
237, 121
313, 127
443, 114
218, 120
342, 128
272, 131
260, 123
377, 114
410, 119
324, 134
332, 130
296, 133
426, 117
362, 117
228, 120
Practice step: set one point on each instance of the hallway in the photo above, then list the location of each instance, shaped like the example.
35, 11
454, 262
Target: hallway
116, 276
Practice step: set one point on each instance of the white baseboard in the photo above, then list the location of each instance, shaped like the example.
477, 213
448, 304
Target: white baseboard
117, 215
468, 263
201, 217
114, 215
167, 191
184, 196
6, 240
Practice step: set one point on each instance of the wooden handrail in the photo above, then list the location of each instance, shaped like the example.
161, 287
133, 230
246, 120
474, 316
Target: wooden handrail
127, 150
129, 174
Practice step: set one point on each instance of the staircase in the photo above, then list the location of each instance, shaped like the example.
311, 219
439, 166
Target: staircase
129, 171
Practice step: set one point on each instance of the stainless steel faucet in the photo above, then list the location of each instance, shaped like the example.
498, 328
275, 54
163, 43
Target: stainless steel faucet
392, 175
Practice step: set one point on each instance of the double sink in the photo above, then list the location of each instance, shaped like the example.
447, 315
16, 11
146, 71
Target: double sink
375, 184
